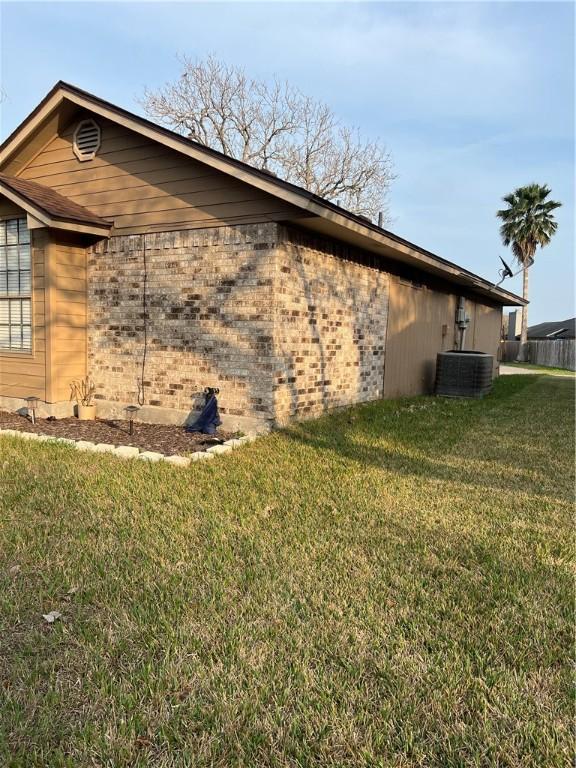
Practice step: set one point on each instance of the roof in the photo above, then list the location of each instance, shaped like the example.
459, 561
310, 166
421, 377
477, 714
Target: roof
324, 217
44, 199
560, 329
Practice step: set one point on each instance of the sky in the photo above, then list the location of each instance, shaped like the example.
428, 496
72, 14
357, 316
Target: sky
471, 99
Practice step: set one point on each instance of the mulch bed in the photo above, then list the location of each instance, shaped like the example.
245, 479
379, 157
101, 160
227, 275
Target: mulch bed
166, 439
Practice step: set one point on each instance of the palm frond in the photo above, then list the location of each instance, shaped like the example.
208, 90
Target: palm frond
528, 221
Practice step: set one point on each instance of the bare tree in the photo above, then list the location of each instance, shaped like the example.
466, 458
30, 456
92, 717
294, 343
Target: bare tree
274, 126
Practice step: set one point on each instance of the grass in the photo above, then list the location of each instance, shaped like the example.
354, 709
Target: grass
542, 369
388, 586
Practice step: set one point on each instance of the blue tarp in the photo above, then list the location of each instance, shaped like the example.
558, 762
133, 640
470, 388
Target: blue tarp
209, 418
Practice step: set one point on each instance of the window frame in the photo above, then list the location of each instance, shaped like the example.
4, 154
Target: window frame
14, 352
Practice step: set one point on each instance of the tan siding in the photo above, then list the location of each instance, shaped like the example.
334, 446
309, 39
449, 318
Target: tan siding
157, 174
60, 152
148, 200
23, 374
72, 316
64, 300
142, 185
422, 323
415, 327
189, 187
130, 153
21, 385
68, 317
25, 366
64, 346
485, 331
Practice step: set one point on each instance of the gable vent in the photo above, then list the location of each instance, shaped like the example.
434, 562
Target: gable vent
86, 141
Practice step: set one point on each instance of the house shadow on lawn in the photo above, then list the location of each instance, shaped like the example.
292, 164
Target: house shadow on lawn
420, 435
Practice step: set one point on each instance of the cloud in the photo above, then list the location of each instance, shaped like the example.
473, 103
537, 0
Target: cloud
472, 99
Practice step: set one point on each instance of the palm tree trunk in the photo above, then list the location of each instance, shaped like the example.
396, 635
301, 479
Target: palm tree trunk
523, 348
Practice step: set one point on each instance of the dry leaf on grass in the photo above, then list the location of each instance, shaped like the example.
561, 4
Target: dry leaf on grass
51, 617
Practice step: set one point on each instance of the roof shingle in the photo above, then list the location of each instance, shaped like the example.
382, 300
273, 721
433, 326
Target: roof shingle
54, 204
558, 329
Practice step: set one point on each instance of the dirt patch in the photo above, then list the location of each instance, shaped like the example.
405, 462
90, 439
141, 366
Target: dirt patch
166, 439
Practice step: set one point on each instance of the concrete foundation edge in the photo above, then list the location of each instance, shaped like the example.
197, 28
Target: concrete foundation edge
149, 414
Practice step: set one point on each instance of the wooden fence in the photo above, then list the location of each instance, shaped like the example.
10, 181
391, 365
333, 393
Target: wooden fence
560, 353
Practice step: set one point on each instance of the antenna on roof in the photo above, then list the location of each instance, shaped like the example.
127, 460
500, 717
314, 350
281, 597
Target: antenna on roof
506, 272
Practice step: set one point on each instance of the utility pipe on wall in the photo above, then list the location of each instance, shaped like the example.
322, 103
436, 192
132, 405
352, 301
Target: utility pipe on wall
462, 321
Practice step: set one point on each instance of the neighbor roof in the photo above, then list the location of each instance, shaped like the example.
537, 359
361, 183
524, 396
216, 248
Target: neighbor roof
324, 216
561, 329
37, 198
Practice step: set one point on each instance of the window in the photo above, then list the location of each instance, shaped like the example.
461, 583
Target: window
15, 286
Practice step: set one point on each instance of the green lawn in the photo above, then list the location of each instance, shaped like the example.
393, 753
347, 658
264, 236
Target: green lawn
543, 369
389, 586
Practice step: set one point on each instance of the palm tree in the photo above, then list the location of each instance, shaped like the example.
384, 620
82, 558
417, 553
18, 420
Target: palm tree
527, 222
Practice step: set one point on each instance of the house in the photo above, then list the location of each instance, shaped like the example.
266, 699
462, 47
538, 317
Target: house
560, 329
160, 267
512, 326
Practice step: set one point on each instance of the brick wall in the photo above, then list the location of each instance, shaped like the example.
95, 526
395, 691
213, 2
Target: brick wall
209, 296
330, 315
284, 325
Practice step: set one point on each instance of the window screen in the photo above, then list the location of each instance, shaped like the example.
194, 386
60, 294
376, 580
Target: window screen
15, 286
